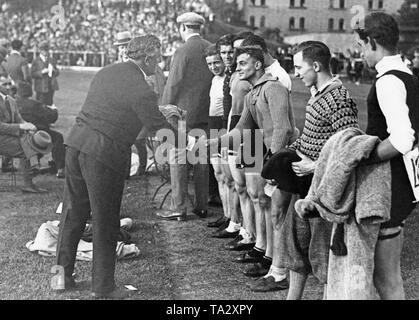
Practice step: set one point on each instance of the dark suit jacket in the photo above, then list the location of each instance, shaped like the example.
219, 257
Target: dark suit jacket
9, 119
44, 83
36, 112
17, 67
118, 104
189, 81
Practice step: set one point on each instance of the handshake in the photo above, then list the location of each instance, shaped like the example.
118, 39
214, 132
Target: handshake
201, 143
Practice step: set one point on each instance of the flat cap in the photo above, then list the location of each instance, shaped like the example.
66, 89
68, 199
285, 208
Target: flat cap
191, 18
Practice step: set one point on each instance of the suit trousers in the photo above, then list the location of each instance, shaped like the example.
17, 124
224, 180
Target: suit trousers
45, 97
58, 148
179, 176
90, 187
11, 147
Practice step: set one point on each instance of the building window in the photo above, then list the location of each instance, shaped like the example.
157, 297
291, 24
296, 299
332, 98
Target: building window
262, 2
331, 22
331, 4
253, 2
292, 3
292, 23
252, 21
262, 21
302, 23
380, 4
342, 4
341, 24
370, 4
302, 3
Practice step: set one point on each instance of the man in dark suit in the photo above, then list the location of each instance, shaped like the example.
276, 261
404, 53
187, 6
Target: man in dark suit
119, 103
42, 116
44, 71
14, 142
188, 87
17, 65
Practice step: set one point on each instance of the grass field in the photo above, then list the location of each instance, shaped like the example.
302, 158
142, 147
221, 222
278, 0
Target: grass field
177, 261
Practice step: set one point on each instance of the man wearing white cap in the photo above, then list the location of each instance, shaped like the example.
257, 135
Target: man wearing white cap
188, 87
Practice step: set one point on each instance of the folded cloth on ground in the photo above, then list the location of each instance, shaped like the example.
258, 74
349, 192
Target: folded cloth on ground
45, 244
340, 187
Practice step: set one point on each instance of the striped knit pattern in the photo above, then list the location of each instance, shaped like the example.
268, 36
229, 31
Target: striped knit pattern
332, 112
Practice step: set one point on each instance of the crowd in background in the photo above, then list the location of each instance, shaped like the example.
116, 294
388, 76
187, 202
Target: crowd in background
91, 27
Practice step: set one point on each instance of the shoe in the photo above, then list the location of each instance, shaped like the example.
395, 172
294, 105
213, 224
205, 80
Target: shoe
224, 225
238, 245
258, 269
200, 213
69, 285
251, 256
33, 189
117, 294
233, 242
171, 215
60, 174
269, 284
218, 222
224, 234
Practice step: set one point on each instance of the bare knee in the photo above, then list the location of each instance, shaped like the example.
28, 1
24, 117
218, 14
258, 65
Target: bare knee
241, 189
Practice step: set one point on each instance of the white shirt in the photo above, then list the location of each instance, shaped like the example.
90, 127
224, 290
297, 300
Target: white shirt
314, 91
392, 94
216, 97
276, 70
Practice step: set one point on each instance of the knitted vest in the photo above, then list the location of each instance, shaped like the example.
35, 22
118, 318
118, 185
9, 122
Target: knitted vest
402, 194
376, 121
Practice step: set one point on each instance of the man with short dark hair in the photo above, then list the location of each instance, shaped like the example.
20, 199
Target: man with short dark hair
17, 65
119, 103
266, 107
269, 235
14, 133
393, 117
303, 245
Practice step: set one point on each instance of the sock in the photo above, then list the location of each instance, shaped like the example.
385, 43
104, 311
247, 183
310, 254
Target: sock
277, 273
233, 227
246, 236
266, 261
256, 252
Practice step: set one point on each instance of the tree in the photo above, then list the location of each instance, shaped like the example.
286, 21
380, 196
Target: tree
409, 13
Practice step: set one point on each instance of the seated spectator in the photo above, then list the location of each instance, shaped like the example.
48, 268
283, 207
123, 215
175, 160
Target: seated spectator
17, 139
42, 116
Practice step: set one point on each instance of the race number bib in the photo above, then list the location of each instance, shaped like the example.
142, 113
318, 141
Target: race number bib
411, 161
